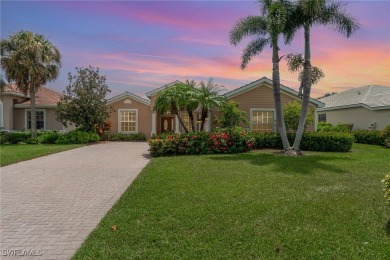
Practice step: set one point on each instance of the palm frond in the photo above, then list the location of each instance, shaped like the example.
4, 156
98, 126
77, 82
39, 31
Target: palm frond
253, 48
248, 26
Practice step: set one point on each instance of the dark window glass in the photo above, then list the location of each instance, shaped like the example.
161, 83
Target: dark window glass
321, 117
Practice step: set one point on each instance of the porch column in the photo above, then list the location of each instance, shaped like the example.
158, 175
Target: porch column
154, 117
177, 124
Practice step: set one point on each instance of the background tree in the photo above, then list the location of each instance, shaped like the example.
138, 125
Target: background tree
208, 96
307, 14
266, 30
84, 101
230, 115
292, 113
29, 60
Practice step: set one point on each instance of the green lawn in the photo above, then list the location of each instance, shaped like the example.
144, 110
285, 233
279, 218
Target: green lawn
14, 153
257, 205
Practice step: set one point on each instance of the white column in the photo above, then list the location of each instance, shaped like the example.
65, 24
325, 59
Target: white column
154, 116
177, 124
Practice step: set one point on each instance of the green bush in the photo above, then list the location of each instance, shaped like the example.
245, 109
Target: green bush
45, 137
368, 137
123, 137
328, 127
3, 137
18, 137
311, 141
78, 137
386, 189
233, 140
386, 136
49, 137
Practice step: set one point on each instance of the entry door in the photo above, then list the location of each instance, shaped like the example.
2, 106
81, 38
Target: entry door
166, 124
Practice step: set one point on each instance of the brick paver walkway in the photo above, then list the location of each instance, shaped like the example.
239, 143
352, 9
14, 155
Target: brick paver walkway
49, 205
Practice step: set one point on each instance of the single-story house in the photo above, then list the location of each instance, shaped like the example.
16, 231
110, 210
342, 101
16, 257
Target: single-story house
15, 109
134, 114
366, 107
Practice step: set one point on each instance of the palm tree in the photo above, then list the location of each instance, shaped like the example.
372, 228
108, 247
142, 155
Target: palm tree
172, 100
266, 29
208, 96
309, 13
188, 100
31, 61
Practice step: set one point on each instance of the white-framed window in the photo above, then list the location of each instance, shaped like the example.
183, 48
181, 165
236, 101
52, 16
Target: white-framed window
262, 120
128, 120
40, 119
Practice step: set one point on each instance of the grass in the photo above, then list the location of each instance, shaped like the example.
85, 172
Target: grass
257, 205
14, 153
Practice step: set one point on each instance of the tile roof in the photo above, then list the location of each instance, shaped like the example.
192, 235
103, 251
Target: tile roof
43, 97
371, 96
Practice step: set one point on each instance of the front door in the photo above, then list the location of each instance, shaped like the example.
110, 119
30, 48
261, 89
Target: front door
166, 124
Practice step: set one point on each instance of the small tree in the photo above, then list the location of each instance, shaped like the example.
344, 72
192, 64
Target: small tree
84, 102
231, 115
292, 113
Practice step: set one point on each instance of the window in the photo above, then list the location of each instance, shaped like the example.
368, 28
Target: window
40, 119
186, 120
128, 120
262, 121
321, 117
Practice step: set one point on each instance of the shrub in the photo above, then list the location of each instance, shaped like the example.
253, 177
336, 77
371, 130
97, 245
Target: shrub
368, 137
230, 115
386, 136
3, 137
123, 137
328, 127
49, 137
18, 137
292, 114
312, 141
386, 189
234, 140
78, 137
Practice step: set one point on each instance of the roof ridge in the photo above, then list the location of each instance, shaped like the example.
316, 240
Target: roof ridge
366, 95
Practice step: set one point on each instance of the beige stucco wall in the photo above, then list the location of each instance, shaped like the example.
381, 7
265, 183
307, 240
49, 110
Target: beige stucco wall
144, 115
360, 117
260, 97
19, 118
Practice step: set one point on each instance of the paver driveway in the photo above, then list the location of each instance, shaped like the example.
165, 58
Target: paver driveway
49, 205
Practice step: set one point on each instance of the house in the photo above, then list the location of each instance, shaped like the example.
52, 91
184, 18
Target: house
366, 107
15, 109
130, 113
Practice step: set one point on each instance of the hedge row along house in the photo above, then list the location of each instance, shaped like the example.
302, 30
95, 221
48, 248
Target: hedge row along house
134, 114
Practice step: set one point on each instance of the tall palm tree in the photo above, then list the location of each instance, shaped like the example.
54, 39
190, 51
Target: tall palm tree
29, 60
266, 30
172, 100
307, 14
208, 96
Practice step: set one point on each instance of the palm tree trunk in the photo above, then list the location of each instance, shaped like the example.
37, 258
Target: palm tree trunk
277, 100
203, 120
181, 122
306, 90
33, 111
191, 116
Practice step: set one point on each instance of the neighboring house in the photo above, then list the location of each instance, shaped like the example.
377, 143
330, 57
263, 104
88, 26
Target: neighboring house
367, 107
15, 109
130, 113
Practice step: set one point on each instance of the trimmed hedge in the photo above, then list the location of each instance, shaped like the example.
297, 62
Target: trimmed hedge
123, 137
328, 127
238, 140
45, 137
386, 188
368, 137
311, 141
78, 137
225, 141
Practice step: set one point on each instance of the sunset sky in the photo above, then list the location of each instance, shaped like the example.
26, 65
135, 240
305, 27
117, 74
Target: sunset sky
142, 45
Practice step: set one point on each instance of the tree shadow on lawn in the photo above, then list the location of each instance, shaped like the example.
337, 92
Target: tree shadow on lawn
388, 227
307, 164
